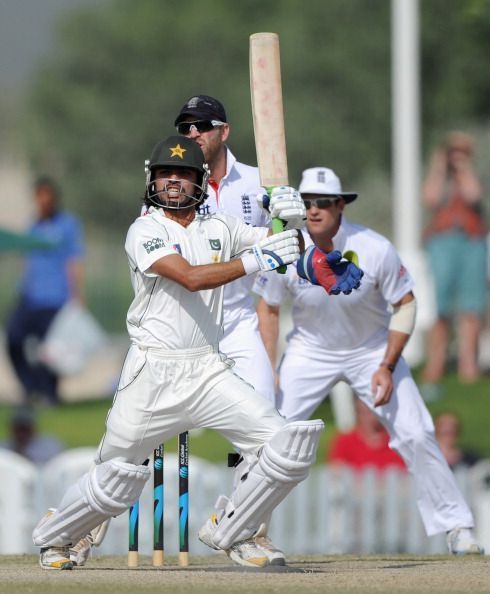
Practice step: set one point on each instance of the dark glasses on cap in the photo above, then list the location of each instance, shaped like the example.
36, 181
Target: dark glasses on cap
320, 202
201, 126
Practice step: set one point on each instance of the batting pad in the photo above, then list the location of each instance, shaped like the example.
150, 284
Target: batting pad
106, 490
283, 463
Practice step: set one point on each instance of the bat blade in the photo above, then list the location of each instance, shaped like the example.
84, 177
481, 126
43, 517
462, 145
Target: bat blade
268, 114
267, 109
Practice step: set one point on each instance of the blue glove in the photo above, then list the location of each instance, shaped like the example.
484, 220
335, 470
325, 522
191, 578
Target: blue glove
329, 271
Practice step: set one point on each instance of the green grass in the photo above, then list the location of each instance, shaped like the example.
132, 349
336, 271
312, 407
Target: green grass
82, 423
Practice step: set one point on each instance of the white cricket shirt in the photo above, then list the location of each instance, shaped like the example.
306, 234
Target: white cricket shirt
236, 195
343, 322
164, 314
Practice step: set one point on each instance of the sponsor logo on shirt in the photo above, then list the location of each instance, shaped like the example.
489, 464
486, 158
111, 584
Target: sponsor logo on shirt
215, 244
203, 209
177, 248
262, 280
154, 244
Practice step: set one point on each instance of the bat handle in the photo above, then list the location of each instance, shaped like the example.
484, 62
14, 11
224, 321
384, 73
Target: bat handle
277, 227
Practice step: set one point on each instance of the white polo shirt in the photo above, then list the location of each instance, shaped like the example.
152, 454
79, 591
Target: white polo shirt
236, 195
164, 314
343, 322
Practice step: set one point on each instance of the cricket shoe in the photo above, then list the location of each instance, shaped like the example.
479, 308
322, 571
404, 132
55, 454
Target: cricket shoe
275, 555
81, 551
462, 541
244, 552
55, 558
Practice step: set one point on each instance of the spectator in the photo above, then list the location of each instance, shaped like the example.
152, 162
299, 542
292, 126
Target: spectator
25, 440
51, 278
448, 433
455, 240
365, 445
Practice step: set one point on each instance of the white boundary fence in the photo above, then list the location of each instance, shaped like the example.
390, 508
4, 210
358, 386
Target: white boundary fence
333, 511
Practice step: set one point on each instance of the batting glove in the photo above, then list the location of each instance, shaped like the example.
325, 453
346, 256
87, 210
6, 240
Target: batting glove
329, 270
285, 203
271, 253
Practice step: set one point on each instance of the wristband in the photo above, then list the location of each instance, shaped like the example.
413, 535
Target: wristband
390, 366
250, 263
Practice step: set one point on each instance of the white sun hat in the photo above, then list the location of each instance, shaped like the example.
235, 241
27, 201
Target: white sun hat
323, 181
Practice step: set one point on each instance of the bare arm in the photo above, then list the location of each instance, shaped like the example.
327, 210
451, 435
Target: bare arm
201, 277
74, 270
382, 380
269, 328
466, 180
433, 188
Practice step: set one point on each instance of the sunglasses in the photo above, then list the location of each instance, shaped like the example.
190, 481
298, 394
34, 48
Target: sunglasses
201, 126
320, 202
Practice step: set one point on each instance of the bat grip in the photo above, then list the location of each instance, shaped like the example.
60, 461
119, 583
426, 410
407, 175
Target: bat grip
278, 227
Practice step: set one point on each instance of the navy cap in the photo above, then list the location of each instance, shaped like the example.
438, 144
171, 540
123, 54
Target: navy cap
202, 107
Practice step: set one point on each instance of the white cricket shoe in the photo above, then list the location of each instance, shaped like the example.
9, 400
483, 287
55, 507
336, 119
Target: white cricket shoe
80, 552
245, 552
275, 555
55, 558
462, 541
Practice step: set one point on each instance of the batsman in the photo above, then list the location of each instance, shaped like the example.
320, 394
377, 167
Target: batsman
175, 379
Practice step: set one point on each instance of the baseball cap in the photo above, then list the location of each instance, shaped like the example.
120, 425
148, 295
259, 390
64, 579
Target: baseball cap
202, 107
323, 181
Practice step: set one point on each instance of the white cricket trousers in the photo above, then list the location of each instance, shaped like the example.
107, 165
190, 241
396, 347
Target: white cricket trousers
306, 377
163, 393
243, 344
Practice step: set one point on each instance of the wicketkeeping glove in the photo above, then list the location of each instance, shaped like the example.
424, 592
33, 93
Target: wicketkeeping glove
329, 270
285, 203
274, 251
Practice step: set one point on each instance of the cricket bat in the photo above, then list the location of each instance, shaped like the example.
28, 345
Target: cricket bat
268, 114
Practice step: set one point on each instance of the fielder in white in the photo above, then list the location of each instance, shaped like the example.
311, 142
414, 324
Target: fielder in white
174, 379
359, 338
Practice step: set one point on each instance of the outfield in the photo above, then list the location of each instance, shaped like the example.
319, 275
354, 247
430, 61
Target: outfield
333, 574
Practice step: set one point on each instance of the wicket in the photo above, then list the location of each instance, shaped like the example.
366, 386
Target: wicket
159, 506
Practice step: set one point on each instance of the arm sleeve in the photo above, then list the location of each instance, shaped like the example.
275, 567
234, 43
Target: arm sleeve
74, 244
145, 245
394, 279
243, 236
272, 287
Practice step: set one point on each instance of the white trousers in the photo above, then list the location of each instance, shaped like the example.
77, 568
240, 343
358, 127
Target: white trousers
242, 343
163, 393
307, 376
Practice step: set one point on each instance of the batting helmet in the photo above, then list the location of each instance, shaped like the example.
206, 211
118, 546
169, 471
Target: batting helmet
176, 151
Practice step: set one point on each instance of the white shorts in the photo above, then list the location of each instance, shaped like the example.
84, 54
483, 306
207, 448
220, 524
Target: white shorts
242, 343
162, 394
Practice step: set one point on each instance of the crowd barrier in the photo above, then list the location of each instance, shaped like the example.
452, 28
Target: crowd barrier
335, 511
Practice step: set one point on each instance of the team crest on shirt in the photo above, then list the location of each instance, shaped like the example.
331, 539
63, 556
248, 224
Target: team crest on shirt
215, 244
246, 209
154, 244
177, 248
